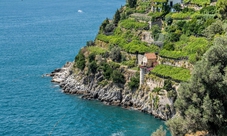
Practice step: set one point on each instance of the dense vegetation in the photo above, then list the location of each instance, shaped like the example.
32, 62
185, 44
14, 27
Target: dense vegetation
175, 73
185, 34
202, 102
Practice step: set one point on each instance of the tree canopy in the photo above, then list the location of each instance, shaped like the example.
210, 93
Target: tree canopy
132, 3
222, 8
202, 102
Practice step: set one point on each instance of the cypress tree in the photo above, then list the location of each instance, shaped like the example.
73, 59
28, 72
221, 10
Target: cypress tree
117, 17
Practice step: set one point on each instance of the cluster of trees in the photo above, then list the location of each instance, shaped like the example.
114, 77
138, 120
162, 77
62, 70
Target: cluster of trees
111, 72
80, 61
202, 101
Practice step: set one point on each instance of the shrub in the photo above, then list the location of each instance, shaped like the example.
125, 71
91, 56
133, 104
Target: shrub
90, 43
177, 7
103, 82
115, 54
134, 81
132, 3
109, 28
159, 132
118, 77
155, 31
157, 90
208, 10
172, 94
169, 20
92, 67
107, 70
80, 61
168, 85
91, 57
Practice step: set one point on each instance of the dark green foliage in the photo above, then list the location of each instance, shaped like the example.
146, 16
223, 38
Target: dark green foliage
109, 28
169, 20
193, 27
134, 81
157, 89
168, 85
172, 94
117, 17
186, 9
107, 71
80, 61
208, 10
166, 8
222, 8
91, 57
92, 67
115, 54
106, 54
202, 103
213, 29
159, 132
155, 31
175, 36
90, 43
118, 77
132, 3
104, 23
177, 7
180, 25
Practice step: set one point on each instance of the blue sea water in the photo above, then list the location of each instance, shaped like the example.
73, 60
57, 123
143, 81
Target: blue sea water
37, 36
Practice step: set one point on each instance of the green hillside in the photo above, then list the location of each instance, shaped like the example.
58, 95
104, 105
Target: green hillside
197, 28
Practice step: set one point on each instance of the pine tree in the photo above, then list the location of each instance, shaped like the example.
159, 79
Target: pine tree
117, 17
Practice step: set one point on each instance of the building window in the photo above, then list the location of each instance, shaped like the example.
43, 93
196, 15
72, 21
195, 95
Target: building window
171, 3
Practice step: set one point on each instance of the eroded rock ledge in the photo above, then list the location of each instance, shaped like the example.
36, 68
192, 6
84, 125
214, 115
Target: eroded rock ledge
111, 94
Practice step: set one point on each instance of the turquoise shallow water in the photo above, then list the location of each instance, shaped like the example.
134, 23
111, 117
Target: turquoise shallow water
35, 38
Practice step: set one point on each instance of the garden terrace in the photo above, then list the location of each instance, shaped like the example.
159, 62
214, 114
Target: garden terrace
175, 73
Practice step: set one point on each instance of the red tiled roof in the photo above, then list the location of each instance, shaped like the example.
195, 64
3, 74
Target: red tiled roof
150, 55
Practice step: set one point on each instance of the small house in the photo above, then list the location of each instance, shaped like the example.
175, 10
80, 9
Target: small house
149, 60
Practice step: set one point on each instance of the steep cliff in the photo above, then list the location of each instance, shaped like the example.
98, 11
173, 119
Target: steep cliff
74, 81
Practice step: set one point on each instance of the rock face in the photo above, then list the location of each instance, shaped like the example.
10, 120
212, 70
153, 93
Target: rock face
89, 87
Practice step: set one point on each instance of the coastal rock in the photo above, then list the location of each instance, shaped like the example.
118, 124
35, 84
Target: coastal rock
114, 94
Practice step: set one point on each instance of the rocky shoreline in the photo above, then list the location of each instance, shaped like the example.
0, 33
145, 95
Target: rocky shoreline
111, 94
